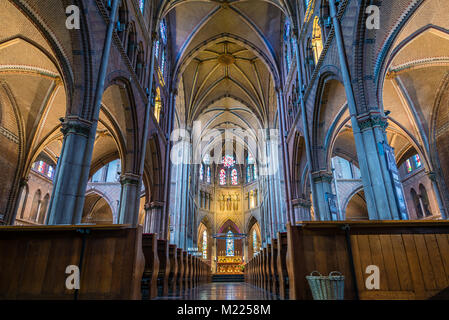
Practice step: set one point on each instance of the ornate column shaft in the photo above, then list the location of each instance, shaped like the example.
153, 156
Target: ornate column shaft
128, 211
323, 182
68, 189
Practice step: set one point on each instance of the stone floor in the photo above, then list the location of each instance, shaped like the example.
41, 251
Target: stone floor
223, 291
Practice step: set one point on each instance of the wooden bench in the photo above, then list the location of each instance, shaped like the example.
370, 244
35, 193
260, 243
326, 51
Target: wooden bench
164, 267
186, 259
33, 261
150, 274
274, 269
269, 277
180, 277
282, 266
412, 256
173, 274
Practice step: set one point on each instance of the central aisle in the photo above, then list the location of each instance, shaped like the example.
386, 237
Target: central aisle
224, 291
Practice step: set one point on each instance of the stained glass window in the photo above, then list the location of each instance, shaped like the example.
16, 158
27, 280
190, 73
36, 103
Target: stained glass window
255, 173
206, 159
248, 173
163, 31
163, 63
201, 172
50, 172
409, 166
228, 161
204, 244
222, 177
156, 49
208, 174
234, 178
141, 5
230, 244
41, 166
418, 162
255, 241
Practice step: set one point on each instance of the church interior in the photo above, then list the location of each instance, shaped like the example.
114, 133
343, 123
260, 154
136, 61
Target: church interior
223, 149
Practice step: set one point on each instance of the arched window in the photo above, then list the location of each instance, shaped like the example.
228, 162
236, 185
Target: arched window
156, 49
234, 177
425, 200
157, 105
317, 40
208, 174
255, 248
132, 44
222, 177
141, 5
230, 244
204, 244
201, 172
140, 62
417, 160
248, 173
163, 31
228, 161
417, 203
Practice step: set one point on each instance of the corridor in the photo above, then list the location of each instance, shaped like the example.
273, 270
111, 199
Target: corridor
224, 291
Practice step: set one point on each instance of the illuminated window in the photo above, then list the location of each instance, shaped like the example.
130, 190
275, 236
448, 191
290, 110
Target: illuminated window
201, 172
408, 165
317, 41
228, 161
222, 177
163, 63
234, 178
255, 173
157, 105
208, 174
204, 244
255, 249
418, 162
288, 57
163, 31
248, 173
50, 172
141, 5
230, 244
41, 166
156, 49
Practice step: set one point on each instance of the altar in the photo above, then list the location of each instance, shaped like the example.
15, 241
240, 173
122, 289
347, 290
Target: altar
229, 265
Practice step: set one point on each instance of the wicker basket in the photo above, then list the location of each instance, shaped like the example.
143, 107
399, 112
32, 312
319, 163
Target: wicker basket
327, 288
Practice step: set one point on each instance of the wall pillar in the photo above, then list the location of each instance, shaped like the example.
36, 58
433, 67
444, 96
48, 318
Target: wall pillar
323, 183
156, 218
433, 177
67, 190
129, 210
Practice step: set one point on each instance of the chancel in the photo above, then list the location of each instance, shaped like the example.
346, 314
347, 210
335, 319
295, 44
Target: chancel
224, 149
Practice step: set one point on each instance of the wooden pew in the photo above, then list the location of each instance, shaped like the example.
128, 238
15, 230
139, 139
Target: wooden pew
149, 279
412, 256
268, 268
33, 261
180, 277
187, 284
282, 266
264, 269
164, 267
173, 275
274, 269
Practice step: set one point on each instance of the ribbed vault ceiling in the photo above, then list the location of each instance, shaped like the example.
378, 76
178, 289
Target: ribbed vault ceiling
226, 54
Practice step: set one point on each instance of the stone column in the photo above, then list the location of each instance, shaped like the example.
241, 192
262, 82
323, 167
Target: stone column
369, 135
156, 217
147, 220
67, 191
433, 177
323, 183
128, 211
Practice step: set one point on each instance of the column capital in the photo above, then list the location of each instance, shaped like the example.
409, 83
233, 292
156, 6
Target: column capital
129, 178
156, 205
75, 125
371, 120
322, 176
